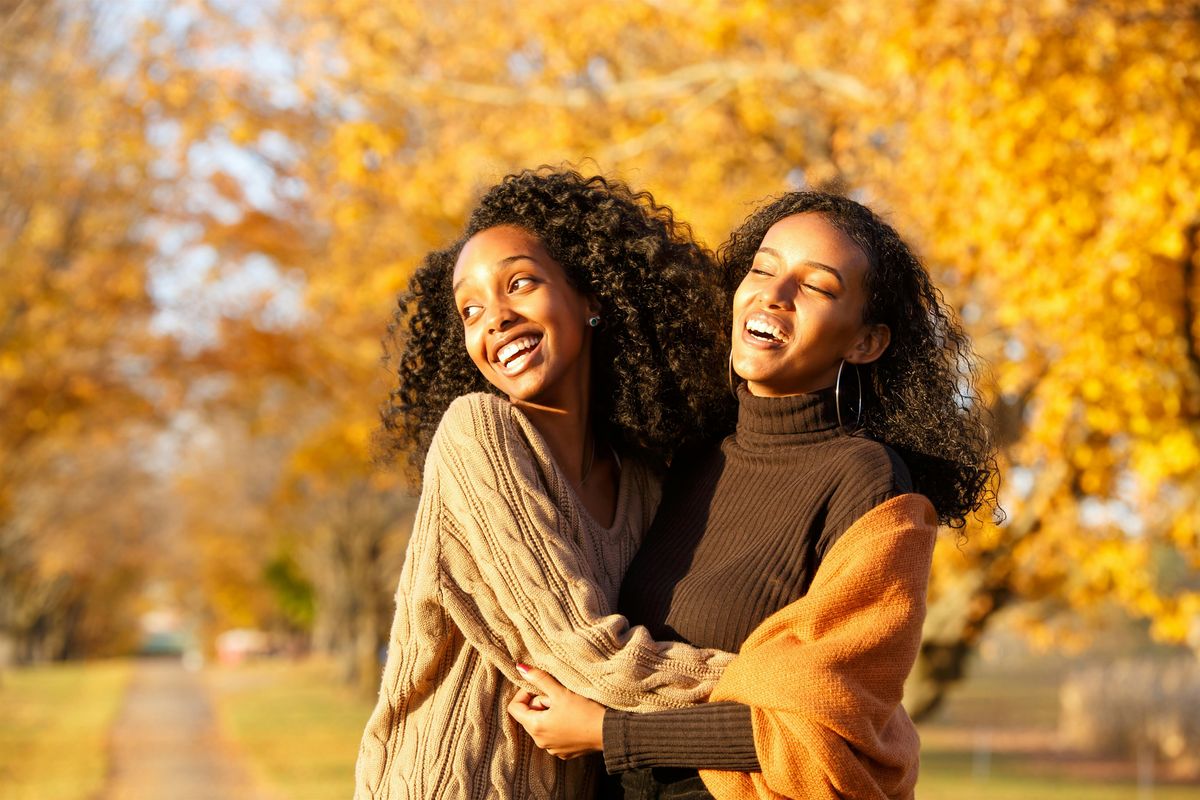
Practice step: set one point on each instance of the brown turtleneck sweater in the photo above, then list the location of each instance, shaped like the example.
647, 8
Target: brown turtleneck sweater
740, 533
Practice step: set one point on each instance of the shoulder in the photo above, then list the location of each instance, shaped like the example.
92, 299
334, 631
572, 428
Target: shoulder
645, 482
694, 468
899, 534
866, 474
476, 417
867, 467
480, 429
469, 410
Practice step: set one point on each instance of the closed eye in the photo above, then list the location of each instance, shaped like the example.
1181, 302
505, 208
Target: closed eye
819, 290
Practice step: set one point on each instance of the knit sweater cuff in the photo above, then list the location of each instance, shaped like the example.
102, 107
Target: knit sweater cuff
707, 736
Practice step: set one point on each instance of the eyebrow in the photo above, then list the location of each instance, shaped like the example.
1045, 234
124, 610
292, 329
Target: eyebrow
815, 264
504, 262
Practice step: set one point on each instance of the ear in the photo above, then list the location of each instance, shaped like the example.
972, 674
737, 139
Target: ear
593, 304
871, 344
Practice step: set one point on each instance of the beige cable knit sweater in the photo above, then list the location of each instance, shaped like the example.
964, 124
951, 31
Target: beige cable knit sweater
505, 565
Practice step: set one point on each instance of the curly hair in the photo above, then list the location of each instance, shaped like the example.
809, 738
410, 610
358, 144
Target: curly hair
920, 397
658, 359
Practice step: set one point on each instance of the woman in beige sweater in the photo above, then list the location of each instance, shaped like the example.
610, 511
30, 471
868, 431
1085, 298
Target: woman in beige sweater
548, 363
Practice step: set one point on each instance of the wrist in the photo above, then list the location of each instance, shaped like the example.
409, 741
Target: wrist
596, 729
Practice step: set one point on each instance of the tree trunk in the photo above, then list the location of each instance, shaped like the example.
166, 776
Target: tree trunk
959, 616
953, 628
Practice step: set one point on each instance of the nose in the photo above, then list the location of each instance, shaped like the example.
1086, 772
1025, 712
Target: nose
500, 315
778, 293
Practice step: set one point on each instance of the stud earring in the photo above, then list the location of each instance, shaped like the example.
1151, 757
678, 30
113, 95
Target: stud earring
594, 321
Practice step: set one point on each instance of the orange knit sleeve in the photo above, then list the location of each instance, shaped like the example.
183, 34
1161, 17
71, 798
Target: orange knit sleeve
825, 675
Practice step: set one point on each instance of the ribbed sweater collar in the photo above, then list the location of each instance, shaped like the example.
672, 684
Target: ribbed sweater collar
766, 423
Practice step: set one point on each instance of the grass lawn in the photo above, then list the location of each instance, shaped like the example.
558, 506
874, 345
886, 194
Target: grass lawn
298, 727
955, 775
54, 723
996, 739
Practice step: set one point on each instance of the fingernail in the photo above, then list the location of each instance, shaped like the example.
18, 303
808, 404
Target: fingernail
524, 670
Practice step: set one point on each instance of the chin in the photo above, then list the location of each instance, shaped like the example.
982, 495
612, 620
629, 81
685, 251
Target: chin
750, 370
526, 393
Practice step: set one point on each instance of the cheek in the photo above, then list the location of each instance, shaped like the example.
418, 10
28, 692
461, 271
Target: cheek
741, 298
569, 336
845, 327
567, 315
473, 342
742, 294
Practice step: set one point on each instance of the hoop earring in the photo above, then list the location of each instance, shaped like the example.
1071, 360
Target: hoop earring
732, 385
594, 321
837, 394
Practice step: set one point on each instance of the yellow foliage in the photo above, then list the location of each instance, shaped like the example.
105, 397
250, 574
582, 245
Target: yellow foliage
1045, 155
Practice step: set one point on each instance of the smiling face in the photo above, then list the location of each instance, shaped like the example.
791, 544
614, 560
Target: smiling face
524, 325
799, 311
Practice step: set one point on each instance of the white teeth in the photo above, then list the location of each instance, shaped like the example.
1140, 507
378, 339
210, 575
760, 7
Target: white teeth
758, 325
516, 346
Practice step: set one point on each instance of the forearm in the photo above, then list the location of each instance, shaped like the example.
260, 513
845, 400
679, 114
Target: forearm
708, 736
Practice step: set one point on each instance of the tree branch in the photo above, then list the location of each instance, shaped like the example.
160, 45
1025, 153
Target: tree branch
13, 16
673, 83
629, 148
1191, 255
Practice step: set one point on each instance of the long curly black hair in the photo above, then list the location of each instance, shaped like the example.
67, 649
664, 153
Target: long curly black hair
658, 358
920, 397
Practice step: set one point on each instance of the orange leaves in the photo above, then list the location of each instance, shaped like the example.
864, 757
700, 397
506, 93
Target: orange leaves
360, 148
1174, 618
1173, 457
331, 456
1053, 166
1046, 155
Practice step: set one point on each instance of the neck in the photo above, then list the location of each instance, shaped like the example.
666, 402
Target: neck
770, 422
562, 415
565, 423
566, 433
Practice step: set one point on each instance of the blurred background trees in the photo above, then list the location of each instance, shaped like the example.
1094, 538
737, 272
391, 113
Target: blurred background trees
76, 364
207, 208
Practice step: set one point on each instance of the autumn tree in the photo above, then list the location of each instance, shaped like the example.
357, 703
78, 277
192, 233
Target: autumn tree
1041, 154
259, 180
280, 493
1049, 155
75, 361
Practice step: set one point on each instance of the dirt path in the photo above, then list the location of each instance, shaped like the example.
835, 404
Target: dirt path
165, 742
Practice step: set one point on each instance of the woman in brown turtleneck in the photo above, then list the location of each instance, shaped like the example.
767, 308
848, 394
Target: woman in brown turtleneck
855, 388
